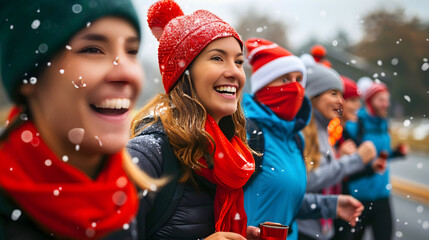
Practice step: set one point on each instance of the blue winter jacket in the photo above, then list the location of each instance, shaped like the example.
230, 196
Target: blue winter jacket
375, 129
277, 191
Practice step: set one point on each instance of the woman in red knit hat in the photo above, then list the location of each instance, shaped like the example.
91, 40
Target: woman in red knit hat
194, 133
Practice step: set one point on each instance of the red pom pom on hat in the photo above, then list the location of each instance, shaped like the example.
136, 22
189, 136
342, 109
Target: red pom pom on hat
318, 52
160, 14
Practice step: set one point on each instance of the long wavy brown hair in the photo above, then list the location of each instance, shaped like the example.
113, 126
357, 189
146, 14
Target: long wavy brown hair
312, 148
184, 117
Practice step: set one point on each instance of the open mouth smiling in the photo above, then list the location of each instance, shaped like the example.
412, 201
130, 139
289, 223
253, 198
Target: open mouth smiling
112, 106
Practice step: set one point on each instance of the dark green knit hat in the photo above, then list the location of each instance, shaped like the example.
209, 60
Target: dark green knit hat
31, 32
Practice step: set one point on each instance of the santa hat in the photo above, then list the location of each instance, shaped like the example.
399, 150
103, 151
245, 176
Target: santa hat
270, 61
350, 88
182, 37
375, 88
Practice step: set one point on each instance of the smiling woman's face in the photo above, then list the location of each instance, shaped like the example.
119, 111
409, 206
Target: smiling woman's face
84, 97
329, 103
218, 77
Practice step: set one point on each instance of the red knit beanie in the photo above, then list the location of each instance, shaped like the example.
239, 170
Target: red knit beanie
350, 88
373, 90
270, 61
182, 37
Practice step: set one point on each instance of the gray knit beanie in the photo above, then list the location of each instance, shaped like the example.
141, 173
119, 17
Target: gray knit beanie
321, 79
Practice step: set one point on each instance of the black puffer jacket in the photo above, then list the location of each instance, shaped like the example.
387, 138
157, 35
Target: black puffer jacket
193, 217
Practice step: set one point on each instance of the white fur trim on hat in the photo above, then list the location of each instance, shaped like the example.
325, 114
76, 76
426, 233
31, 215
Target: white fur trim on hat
274, 69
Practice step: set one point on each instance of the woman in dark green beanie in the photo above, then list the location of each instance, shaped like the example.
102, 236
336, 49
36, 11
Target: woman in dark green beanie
71, 69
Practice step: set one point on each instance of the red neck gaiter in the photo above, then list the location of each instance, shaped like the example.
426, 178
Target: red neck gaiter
233, 166
285, 100
60, 198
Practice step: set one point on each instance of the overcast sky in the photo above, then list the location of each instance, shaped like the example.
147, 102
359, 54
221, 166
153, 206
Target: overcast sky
304, 18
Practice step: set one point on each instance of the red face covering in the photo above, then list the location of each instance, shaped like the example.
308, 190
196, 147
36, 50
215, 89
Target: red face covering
285, 100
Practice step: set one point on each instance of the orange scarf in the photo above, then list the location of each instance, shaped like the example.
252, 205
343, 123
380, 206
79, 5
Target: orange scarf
233, 166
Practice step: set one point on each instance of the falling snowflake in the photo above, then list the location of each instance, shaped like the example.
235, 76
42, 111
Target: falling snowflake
48, 162
43, 48
395, 61
399, 234
26, 136
406, 97
425, 66
65, 158
15, 214
77, 8
90, 232
425, 225
145, 192
335, 43
61, 71
121, 182
56, 192
68, 47
181, 63
419, 165
419, 209
313, 206
119, 198
126, 226
237, 217
35, 24
33, 80
407, 123
379, 63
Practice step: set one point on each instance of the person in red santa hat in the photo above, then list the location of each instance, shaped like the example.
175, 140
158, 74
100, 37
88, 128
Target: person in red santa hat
345, 145
374, 190
276, 113
194, 132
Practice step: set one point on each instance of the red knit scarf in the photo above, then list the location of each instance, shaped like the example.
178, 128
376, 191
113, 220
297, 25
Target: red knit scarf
60, 198
233, 166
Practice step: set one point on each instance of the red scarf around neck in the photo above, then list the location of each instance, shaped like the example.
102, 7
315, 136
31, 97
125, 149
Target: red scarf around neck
233, 166
60, 198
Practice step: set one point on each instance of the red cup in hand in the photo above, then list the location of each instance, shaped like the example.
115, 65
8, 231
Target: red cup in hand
273, 231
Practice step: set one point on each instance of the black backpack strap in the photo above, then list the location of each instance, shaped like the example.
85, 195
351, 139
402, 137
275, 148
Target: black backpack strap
256, 141
169, 196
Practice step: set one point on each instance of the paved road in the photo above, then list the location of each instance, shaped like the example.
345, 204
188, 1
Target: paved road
411, 218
